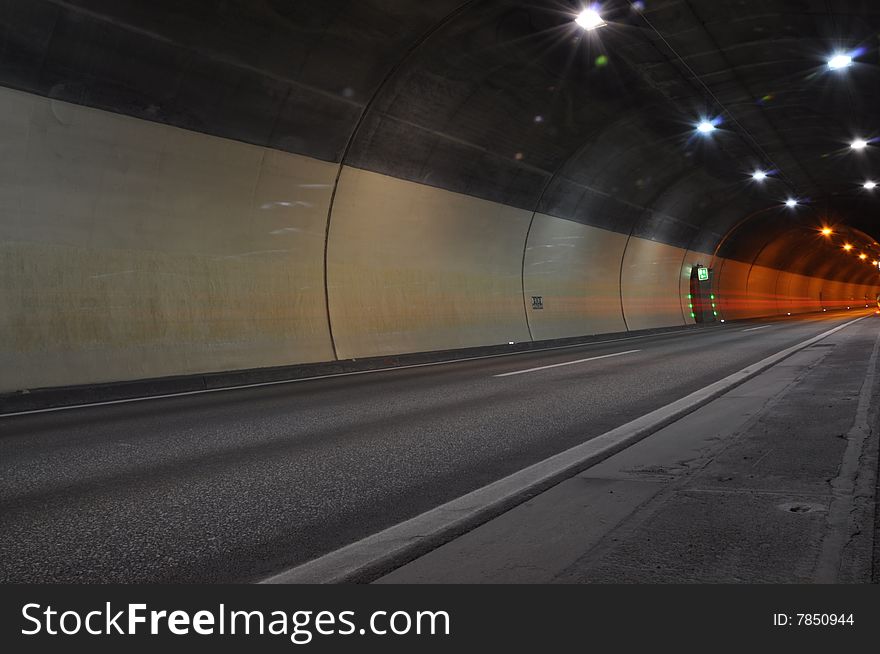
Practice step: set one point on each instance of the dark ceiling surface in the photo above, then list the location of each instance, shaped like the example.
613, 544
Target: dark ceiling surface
508, 101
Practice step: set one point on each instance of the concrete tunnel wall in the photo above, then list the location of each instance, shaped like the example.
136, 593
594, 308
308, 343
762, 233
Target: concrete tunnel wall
266, 184
132, 249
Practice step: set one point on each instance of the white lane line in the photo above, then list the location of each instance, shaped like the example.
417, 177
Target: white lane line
221, 389
387, 550
751, 329
567, 363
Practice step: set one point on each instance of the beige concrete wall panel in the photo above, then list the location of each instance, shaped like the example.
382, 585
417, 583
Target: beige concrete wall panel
814, 291
761, 291
130, 249
730, 282
650, 284
415, 268
576, 270
68, 320
784, 300
837, 295
804, 297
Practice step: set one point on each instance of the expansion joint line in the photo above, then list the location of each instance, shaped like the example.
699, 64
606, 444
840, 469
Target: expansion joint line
390, 75
848, 486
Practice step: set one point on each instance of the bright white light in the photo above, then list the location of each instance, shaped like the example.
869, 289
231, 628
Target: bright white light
791, 203
759, 175
705, 127
839, 61
870, 185
859, 144
590, 19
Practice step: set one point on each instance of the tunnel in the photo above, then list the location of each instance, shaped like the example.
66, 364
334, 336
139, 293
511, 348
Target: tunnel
285, 284
216, 186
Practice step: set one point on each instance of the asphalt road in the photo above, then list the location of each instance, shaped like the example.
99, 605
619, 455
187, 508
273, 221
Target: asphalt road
236, 485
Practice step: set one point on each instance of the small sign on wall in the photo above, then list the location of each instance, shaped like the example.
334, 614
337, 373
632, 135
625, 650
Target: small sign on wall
537, 302
702, 273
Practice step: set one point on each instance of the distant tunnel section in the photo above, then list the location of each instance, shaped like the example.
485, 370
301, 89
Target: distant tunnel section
778, 266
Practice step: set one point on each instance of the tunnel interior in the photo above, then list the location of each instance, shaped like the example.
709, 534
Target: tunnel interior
217, 185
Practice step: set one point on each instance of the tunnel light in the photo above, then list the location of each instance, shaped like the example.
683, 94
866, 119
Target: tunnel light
826, 231
839, 61
863, 256
706, 127
589, 19
759, 175
858, 144
791, 203
869, 185
847, 246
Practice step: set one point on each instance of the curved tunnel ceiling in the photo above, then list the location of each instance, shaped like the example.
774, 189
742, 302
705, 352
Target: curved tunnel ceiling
511, 102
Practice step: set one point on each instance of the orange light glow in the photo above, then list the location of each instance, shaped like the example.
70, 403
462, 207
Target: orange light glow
863, 256
826, 231
847, 247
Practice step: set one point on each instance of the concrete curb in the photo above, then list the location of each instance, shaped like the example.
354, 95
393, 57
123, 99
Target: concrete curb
74, 397
376, 555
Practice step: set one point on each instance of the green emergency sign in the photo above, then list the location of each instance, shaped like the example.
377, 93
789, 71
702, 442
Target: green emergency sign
702, 274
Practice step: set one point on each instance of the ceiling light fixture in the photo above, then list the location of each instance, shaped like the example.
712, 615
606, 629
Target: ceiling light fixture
839, 61
859, 144
870, 185
826, 231
590, 19
759, 175
791, 203
705, 127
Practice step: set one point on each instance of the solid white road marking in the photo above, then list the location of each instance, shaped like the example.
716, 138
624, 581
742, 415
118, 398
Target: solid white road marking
567, 363
751, 329
405, 541
221, 389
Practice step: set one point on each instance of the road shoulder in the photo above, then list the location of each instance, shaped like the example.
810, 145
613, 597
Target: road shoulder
757, 486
